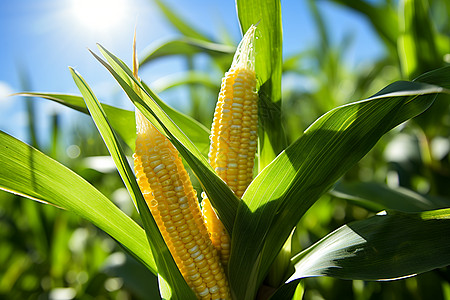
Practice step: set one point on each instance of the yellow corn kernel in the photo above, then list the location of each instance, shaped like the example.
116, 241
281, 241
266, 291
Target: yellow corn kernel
217, 231
233, 136
234, 130
173, 203
183, 229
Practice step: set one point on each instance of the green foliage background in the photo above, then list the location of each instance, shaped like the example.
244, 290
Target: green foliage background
49, 253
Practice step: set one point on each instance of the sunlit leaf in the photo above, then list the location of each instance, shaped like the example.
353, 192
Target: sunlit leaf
220, 194
417, 40
197, 133
186, 46
267, 14
164, 261
28, 172
179, 79
177, 21
122, 120
382, 247
280, 195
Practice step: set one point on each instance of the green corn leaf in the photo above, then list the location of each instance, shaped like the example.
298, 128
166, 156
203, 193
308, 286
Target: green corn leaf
383, 17
439, 77
417, 40
286, 291
30, 173
375, 197
219, 193
167, 268
181, 25
187, 46
268, 63
185, 78
280, 195
195, 131
383, 247
123, 120
30, 107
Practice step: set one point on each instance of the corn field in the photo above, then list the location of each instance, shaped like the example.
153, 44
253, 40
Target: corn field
257, 190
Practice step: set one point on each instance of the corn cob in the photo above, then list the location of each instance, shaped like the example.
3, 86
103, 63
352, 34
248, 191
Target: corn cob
217, 232
173, 203
234, 135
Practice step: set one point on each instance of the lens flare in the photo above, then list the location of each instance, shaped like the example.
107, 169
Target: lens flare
99, 15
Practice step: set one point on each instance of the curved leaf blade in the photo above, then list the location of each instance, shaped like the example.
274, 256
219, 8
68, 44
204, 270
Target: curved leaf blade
383, 247
121, 120
167, 268
181, 25
268, 64
183, 78
440, 77
30, 173
280, 195
383, 16
186, 46
219, 193
375, 197
195, 131
286, 291
417, 39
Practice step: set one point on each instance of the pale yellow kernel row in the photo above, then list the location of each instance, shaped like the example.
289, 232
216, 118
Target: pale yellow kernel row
234, 130
173, 203
233, 145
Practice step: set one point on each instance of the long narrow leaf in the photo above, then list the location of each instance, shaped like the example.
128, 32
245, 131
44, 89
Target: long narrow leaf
417, 40
439, 77
382, 247
377, 197
195, 131
220, 194
179, 79
280, 195
165, 263
267, 14
186, 46
123, 120
383, 17
286, 291
180, 24
30, 173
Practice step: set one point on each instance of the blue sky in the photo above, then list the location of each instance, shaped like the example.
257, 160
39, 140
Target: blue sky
42, 38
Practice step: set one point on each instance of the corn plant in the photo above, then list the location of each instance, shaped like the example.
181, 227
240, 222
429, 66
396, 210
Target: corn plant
261, 219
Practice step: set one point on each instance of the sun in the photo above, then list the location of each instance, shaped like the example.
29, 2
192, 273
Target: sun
99, 15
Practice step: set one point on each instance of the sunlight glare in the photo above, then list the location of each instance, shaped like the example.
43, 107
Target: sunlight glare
99, 15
